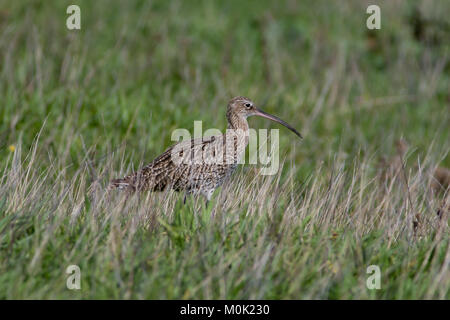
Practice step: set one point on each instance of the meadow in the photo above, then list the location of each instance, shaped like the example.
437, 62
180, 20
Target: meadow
81, 107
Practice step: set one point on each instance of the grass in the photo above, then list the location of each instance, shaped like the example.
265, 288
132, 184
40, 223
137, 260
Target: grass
79, 108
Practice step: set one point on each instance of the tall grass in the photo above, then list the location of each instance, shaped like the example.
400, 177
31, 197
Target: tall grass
262, 237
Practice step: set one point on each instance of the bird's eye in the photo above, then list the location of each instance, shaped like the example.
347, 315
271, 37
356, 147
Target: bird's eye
248, 105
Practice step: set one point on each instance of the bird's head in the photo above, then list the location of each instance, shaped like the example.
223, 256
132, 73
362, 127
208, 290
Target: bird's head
244, 107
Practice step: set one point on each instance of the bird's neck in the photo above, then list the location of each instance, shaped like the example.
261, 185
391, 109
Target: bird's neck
237, 122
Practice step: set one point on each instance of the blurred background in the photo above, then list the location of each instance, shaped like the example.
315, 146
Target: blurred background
139, 69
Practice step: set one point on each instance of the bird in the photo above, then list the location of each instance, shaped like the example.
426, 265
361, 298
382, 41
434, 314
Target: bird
200, 165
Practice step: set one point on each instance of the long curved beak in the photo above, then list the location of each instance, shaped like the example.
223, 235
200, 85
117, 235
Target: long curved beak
276, 119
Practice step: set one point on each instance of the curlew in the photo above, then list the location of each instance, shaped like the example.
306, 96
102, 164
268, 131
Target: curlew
199, 166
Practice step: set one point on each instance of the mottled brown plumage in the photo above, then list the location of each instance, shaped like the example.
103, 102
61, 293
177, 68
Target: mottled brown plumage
199, 166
